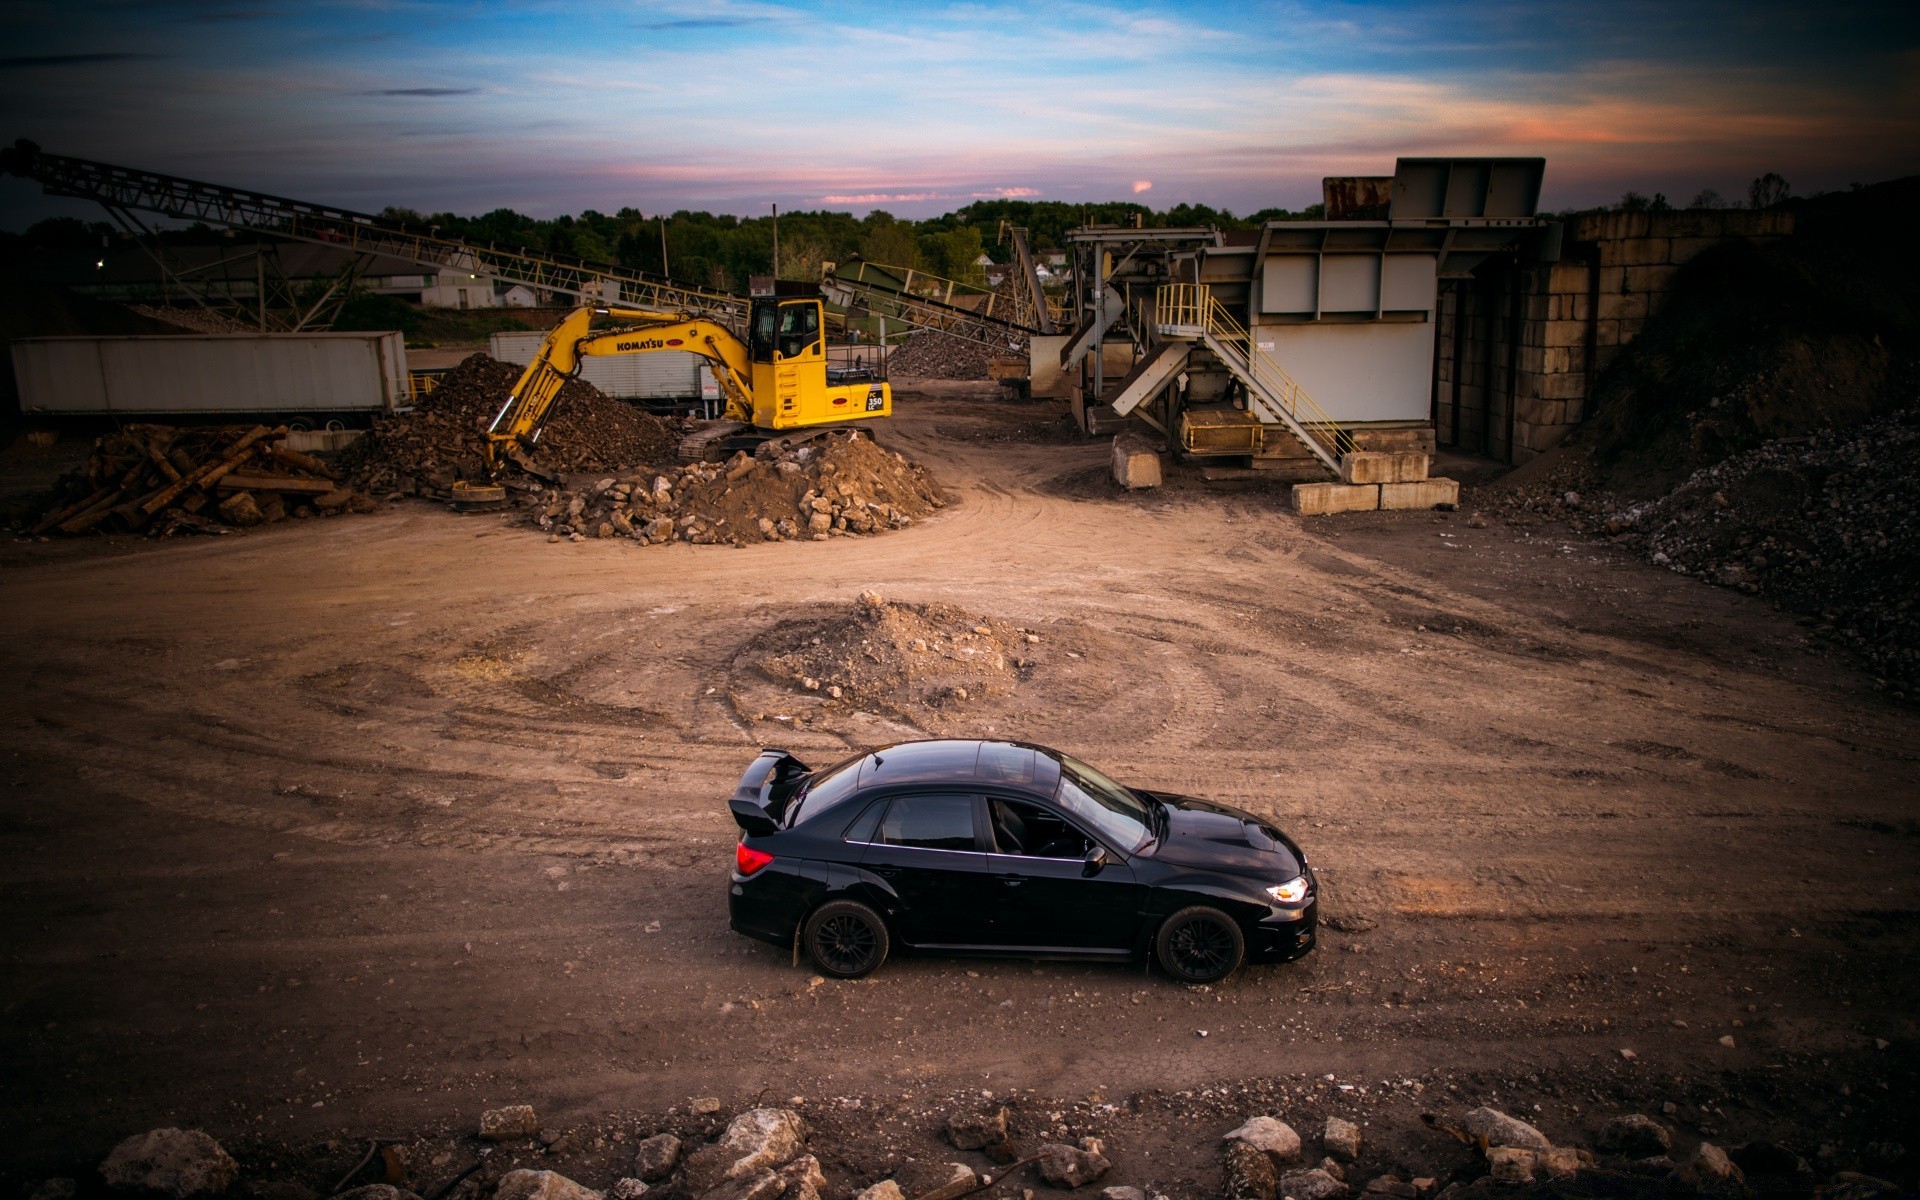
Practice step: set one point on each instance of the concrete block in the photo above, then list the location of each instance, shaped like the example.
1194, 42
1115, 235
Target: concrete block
1323, 499
1568, 278
1684, 249
1564, 386
1642, 252
1375, 466
1427, 493
1615, 306
1649, 280
1136, 464
1533, 358
1390, 439
1566, 333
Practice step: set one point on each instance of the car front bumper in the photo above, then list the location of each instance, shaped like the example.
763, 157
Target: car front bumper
1284, 934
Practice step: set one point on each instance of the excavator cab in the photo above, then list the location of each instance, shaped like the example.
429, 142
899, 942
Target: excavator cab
786, 343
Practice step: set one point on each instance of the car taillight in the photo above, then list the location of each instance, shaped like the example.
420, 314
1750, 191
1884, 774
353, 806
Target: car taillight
747, 860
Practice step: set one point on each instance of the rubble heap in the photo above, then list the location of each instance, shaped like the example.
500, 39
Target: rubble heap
1826, 525
900, 658
937, 356
836, 485
164, 479
443, 438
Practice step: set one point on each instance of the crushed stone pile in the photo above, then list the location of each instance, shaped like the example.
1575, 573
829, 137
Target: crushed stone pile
889, 656
443, 438
167, 479
838, 485
1826, 525
937, 356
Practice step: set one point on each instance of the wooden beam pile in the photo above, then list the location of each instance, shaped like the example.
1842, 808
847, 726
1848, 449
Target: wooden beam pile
164, 479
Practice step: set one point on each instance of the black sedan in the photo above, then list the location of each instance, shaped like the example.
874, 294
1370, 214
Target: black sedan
1007, 848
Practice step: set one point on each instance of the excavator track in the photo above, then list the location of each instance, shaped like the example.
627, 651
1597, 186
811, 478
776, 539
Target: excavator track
714, 441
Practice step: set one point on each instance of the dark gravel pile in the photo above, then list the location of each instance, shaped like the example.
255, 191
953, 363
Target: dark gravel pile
1826, 525
936, 356
443, 438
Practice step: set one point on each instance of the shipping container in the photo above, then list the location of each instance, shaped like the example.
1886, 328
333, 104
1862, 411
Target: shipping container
178, 374
658, 376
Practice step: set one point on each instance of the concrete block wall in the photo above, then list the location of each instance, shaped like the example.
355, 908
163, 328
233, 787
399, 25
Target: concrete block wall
1574, 316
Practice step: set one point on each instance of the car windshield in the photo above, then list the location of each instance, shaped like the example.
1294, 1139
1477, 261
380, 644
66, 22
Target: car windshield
1117, 813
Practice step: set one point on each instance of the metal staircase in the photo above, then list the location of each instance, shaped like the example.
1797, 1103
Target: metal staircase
1189, 312
123, 191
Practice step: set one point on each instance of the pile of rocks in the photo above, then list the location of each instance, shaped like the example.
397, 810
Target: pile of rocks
1827, 526
837, 485
764, 1153
937, 356
423, 451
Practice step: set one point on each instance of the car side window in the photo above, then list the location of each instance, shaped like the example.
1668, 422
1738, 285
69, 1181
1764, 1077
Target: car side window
929, 822
1033, 832
863, 829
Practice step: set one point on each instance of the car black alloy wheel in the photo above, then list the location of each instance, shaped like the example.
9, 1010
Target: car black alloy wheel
1200, 945
846, 939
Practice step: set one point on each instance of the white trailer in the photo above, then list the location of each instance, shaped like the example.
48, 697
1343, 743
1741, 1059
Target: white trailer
666, 375
318, 374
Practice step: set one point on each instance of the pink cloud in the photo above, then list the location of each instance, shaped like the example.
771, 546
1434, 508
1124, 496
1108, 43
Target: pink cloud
1142, 185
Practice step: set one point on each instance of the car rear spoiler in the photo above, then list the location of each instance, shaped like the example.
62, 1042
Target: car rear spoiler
764, 791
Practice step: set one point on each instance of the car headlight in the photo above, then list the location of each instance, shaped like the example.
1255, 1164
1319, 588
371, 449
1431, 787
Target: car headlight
1293, 891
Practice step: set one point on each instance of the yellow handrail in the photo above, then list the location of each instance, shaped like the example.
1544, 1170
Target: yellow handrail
1182, 306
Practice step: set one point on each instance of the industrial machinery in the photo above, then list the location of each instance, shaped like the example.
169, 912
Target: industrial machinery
777, 382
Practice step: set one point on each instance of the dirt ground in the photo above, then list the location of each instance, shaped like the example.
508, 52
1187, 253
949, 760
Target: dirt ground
349, 828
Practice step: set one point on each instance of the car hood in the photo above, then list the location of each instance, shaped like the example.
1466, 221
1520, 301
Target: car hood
1200, 833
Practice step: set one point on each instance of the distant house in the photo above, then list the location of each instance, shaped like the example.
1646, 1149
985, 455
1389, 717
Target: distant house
517, 295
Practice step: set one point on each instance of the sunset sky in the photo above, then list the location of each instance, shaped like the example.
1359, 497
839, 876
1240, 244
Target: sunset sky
730, 105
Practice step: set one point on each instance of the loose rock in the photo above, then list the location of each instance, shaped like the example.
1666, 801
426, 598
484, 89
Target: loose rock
175, 1162
506, 1124
1250, 1174
886, 1189
1635, 1136
1510, 1164
1499, 1129
756, 1140
1069, 1166
627, 1189
654, 1158
974, 1131
541, 1185
1341, 1139
1311, 1185
1271, 1136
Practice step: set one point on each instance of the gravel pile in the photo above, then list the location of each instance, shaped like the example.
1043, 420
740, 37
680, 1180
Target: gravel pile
936, 356
443, 438
1826, 525
838, 485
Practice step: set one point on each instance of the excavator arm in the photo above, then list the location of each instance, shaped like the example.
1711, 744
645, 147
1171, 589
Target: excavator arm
517, 427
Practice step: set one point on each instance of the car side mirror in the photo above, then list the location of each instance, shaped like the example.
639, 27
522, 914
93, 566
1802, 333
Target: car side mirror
1096, 859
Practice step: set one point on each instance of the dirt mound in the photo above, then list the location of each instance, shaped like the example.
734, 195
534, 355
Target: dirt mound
836, 485
936, 356
1827, 526
443, 438
897, 658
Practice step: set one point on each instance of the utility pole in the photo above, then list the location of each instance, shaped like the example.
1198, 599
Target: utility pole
776, 241
665, 271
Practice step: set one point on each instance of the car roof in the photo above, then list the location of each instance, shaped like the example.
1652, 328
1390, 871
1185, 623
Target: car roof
962, 760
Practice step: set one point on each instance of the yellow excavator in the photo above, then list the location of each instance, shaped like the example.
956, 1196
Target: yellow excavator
775, 382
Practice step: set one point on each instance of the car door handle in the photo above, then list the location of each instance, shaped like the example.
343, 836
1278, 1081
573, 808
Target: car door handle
1011, 881
885, 872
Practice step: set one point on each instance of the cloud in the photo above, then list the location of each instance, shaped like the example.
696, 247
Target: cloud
703, 23
14, 62
887, 198
1018, 193
1142, 185
426, 91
